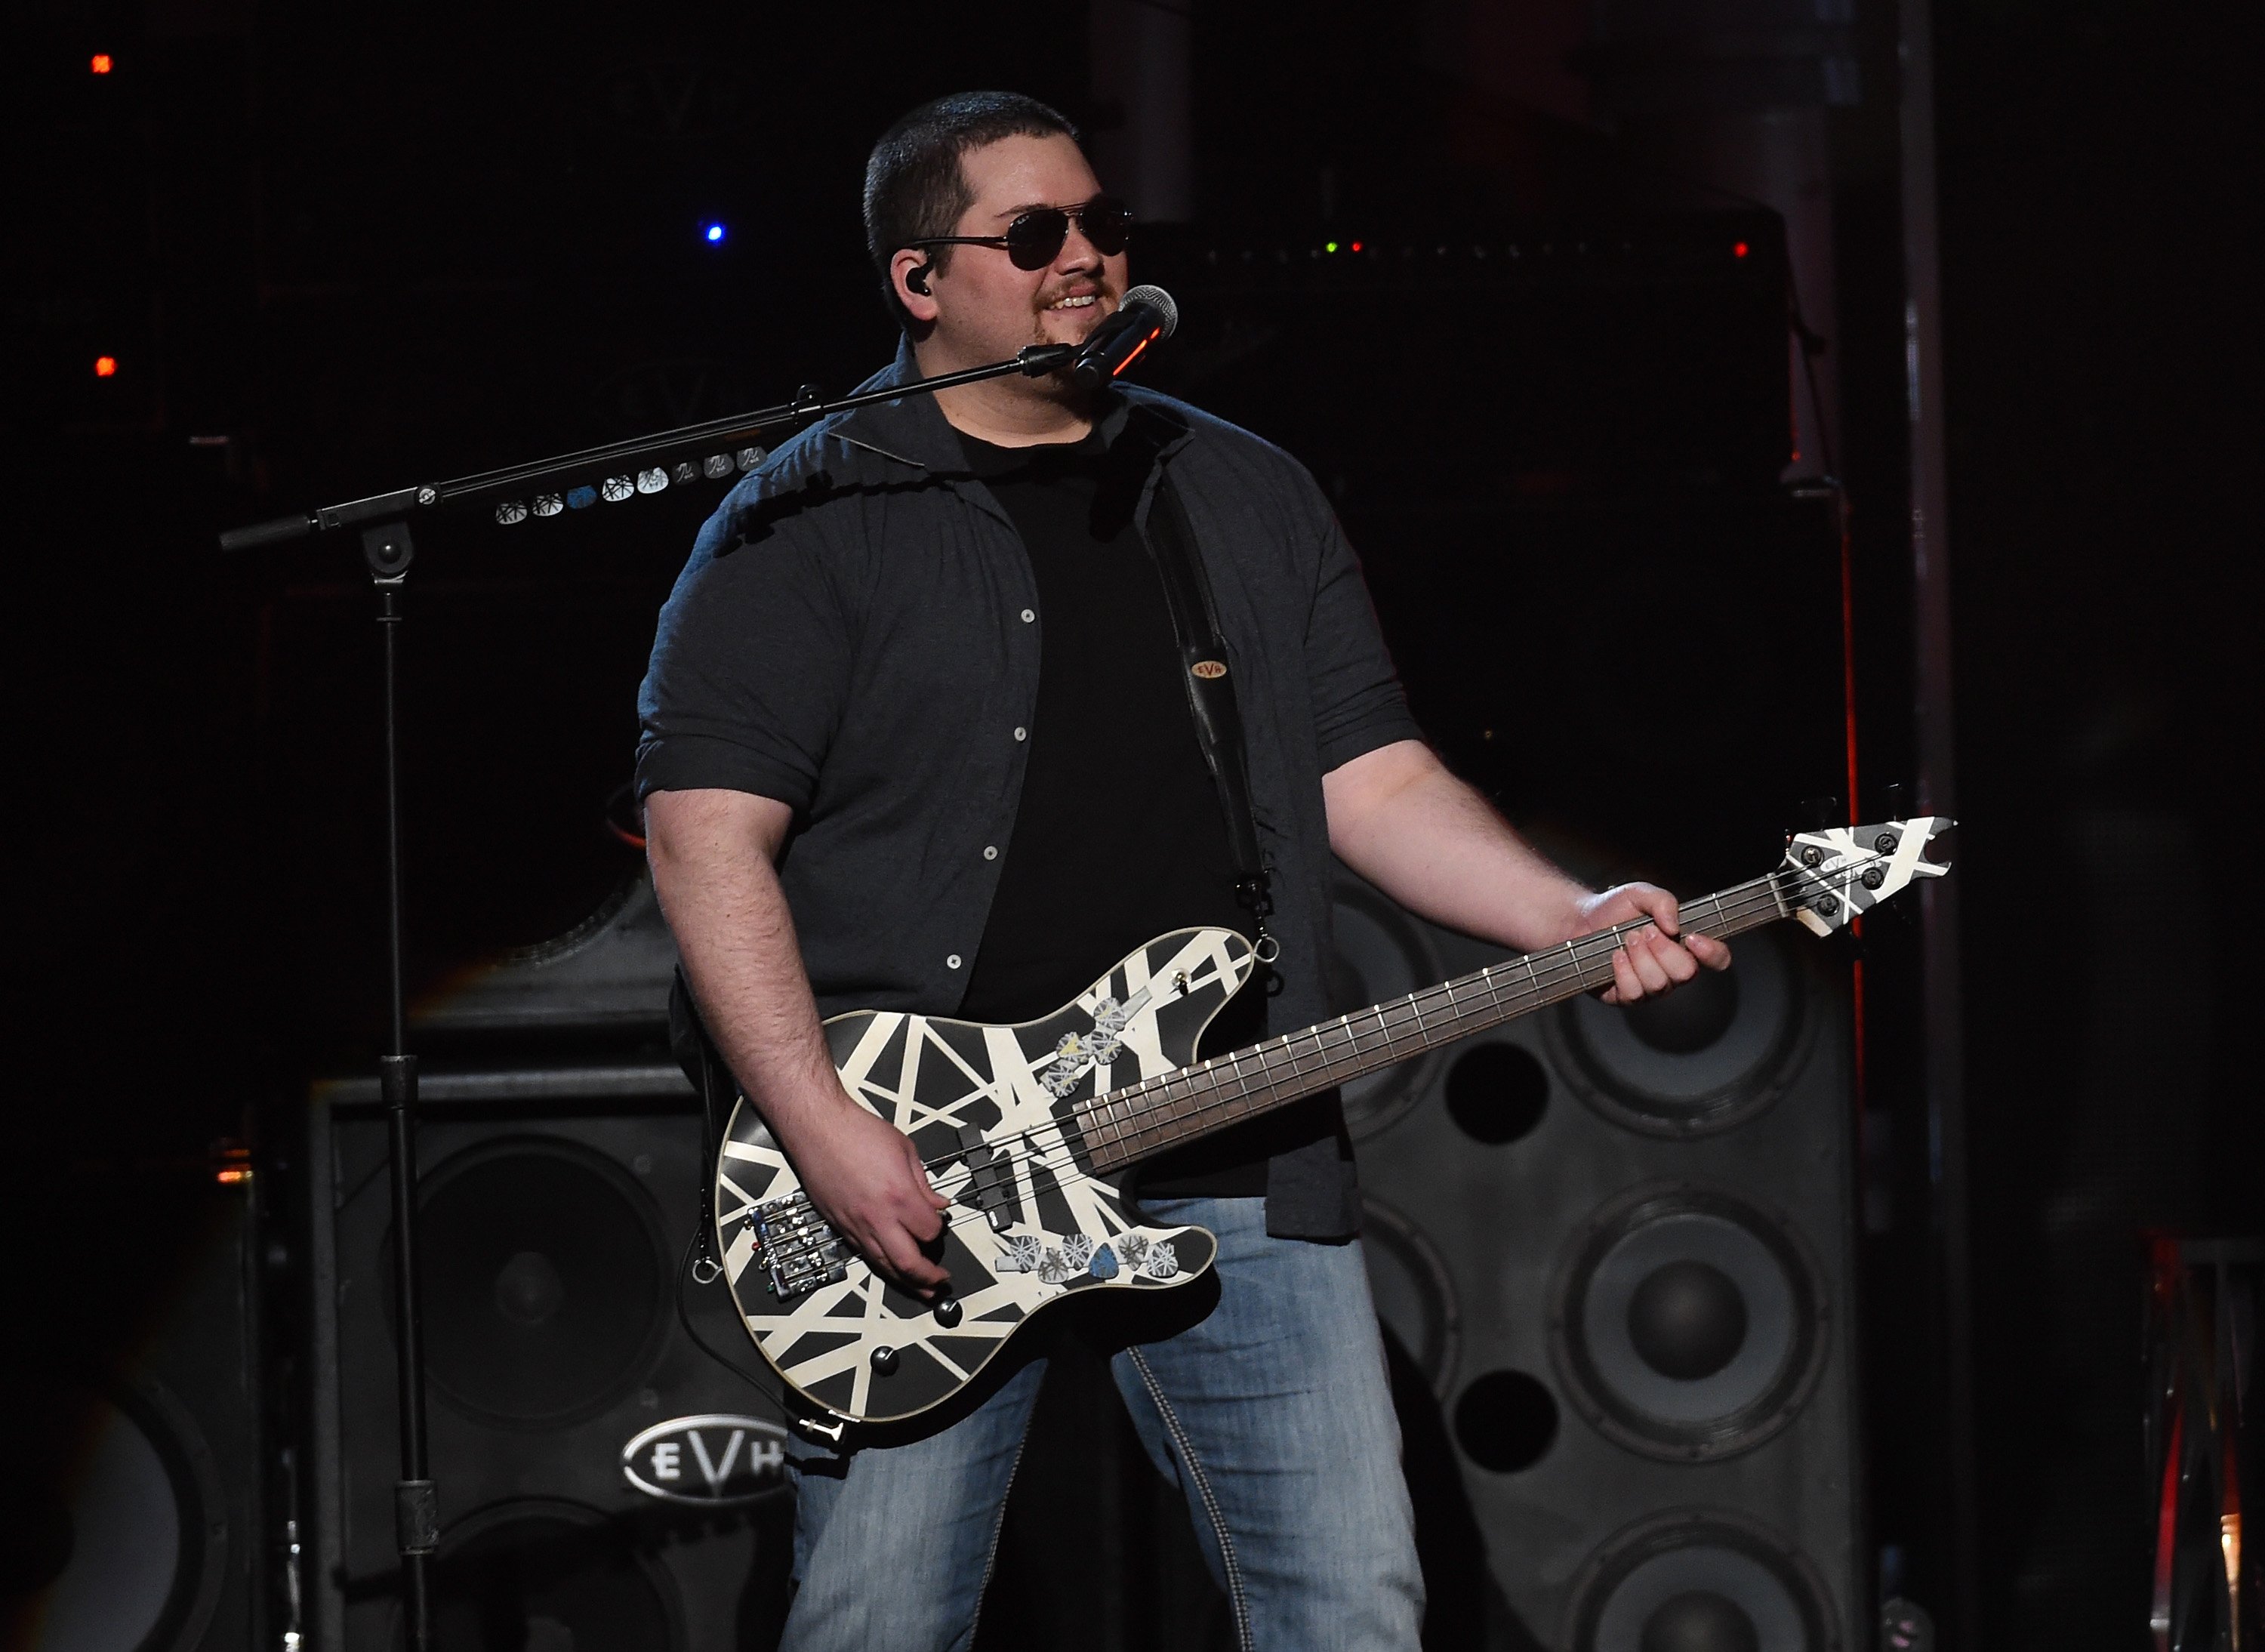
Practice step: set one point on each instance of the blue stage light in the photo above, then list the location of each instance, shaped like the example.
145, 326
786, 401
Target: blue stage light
714, 232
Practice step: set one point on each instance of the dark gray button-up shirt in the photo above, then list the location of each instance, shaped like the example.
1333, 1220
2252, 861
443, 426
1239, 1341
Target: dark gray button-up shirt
857, 633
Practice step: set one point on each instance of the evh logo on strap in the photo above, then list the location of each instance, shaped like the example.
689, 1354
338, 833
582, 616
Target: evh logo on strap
1209, 670
715, 1461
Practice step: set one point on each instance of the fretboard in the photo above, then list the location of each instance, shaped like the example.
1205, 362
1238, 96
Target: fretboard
1121, 1126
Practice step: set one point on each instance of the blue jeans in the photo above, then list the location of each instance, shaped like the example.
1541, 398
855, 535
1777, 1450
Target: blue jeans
1270, 1413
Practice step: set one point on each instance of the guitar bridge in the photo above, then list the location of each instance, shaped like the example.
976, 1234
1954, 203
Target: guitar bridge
796, 1247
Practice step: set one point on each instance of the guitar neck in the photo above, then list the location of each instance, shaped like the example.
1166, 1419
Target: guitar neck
1122, 1126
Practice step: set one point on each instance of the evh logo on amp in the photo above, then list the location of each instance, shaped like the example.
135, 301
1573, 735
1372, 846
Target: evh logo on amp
715, 1461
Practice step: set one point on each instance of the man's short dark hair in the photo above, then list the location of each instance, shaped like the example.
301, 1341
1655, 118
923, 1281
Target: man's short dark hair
915, 186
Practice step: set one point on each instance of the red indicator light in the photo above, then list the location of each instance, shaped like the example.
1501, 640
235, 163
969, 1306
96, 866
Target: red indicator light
101, 64
1356, 247
105, 367
1739, 250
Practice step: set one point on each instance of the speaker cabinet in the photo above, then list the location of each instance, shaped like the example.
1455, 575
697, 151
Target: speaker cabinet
133, 1515
603, 1480
1618, 1246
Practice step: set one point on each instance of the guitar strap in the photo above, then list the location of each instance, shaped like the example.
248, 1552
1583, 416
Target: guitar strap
1211, 699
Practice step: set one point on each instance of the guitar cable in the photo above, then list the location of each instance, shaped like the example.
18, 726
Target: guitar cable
698, 1265
792, 1410
688, 1275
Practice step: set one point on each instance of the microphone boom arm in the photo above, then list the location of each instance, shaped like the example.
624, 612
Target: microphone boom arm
806, 408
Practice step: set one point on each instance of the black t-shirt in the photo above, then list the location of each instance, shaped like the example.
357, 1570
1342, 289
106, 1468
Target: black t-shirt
1117, 836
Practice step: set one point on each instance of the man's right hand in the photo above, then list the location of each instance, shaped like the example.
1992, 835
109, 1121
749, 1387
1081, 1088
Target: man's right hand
711, 853
866, 1178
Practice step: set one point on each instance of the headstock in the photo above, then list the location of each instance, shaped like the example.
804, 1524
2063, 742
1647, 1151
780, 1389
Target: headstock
1838, 873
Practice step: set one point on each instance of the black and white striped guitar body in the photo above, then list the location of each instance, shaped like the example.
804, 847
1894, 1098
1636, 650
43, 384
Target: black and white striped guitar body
995, 1112
1021, 1128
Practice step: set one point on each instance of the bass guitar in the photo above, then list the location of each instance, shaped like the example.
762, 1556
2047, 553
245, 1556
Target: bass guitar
1022, 1126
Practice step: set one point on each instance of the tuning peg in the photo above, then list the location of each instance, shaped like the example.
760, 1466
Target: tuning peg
1817, 813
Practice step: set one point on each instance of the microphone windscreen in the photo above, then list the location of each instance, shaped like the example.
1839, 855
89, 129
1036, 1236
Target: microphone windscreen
1157, 298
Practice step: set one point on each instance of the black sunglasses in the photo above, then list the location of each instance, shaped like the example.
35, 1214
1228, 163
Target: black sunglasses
1035, 239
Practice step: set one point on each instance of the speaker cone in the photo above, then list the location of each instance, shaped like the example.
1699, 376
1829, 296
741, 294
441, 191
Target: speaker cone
548, 1574
1686, 1324
1709, 1056
1380, 953
1700, 1581
1414, 1294
1496, 1091
121, 1528
545, 1281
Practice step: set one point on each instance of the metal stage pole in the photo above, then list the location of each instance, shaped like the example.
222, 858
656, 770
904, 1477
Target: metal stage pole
1937, 794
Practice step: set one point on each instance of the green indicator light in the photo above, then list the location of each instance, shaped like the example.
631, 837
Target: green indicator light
1330, 247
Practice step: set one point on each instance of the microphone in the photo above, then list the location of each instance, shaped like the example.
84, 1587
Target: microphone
1147, 315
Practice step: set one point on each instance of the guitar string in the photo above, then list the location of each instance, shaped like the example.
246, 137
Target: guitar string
1543, 982
1439, 1013
1749, 904
1589, 952
1452, 1004
1744, 907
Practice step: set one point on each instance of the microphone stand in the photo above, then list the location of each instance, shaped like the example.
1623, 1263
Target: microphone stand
388, 551
1033, 361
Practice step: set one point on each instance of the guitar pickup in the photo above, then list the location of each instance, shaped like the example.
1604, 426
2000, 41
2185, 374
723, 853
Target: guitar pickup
990, 1178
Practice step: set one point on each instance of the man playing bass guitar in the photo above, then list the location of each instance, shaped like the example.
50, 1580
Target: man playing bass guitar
916, 738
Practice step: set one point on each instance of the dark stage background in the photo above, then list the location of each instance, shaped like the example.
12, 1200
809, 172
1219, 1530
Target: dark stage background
329, 254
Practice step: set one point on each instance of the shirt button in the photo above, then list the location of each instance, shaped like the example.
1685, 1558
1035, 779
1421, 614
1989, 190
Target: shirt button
1029, 616
990, 851
952, 963
1022, 734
